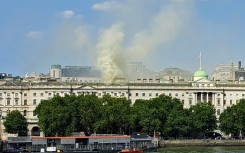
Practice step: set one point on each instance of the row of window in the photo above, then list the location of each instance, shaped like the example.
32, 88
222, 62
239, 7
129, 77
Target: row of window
157, 94
25, 94
24, 113
225, 102
16, 101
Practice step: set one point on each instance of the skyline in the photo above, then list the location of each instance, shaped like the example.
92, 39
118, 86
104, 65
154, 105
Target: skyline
37, 34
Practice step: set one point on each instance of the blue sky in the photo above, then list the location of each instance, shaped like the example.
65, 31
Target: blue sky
161, 33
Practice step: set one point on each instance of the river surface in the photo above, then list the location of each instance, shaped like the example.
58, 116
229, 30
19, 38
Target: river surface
240, 149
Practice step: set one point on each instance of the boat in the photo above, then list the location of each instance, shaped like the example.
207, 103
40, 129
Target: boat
131, 151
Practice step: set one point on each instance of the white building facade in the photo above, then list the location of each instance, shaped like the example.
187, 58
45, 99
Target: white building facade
26, 96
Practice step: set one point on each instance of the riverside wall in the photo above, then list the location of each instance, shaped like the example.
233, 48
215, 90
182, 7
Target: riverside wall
201, 142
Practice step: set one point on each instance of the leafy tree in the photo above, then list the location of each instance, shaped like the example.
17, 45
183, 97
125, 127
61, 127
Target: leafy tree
203, 118
178, 123
228, 121
114, 115
232, 120
15, 123
90, 112
58, 116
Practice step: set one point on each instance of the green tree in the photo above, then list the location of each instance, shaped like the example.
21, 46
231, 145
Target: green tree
232, 120
15, 123
90, 112
115, 114
178, 123
58, 115
228, 121
203, 119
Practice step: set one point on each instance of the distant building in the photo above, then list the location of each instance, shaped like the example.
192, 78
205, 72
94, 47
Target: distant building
175, 75
3, 75
75, 74
224, 72
240, 73
138, 72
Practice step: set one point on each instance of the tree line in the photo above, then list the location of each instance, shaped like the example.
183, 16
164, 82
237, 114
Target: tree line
63, 116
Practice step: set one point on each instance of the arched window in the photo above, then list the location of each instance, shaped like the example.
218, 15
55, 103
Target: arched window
35, 131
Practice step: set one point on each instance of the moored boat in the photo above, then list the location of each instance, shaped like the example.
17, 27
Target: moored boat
131, 151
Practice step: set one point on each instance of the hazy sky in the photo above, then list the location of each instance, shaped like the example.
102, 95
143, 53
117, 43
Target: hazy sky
35, 34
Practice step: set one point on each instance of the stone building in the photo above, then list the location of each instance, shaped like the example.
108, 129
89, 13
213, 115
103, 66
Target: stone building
225, 72
25, 96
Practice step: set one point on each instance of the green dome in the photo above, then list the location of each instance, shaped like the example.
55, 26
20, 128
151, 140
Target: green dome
200, 73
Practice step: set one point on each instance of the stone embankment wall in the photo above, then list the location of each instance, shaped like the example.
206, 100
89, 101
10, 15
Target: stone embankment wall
201, 142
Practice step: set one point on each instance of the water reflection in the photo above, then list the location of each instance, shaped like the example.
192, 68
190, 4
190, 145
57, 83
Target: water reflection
240, 149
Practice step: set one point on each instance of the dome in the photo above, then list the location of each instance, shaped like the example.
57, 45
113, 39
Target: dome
200, 74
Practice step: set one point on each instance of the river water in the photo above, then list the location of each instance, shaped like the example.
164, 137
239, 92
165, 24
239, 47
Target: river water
240, 149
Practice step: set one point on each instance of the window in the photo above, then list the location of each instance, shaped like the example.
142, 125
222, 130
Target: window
25, 102
50, 94
115, 94
25, 112
183, 94
16, 94
41, 94
224, 102
1, 94
34, 101
190, 101
25, 94
8, 94
150, 94
34, 94
176, 94
230, 102
136, 94
34, 114
8, 101
16, 101
218, 102
156, 94
1, 101
218, 112
143, 94
169, 94
183, 101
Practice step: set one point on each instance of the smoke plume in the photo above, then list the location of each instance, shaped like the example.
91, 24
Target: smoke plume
111, 58
163, 28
